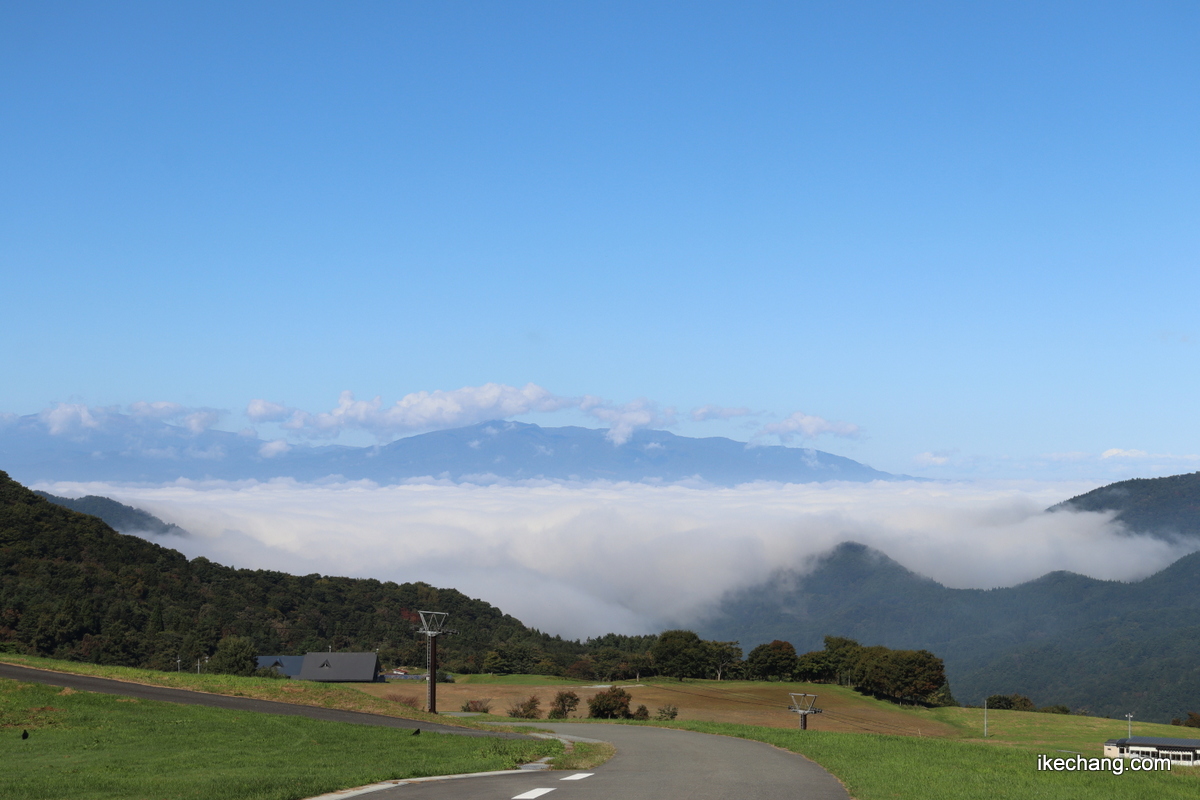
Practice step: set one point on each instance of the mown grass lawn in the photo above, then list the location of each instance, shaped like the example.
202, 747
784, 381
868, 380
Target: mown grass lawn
877, 767
84, 745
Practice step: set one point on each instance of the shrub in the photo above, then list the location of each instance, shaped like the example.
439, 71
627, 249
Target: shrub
410, 700
667, 713
527, 709
612, 703
1010, 702
563, 704
269, 672
641, 714
236, 655
479, 706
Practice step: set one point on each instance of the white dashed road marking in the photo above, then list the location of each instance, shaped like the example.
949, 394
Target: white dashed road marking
532, 793
578, 777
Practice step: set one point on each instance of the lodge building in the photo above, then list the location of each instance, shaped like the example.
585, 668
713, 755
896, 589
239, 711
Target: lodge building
1184, 752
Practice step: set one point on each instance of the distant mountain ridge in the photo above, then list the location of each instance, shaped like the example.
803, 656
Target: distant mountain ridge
1106, 646
118, 516
154, 452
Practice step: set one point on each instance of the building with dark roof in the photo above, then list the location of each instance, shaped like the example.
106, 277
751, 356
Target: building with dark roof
1185, 752
340, 667
284, 665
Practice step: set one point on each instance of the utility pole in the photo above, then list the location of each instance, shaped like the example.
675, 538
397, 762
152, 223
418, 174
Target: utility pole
985, 717
1129, 717
433, 625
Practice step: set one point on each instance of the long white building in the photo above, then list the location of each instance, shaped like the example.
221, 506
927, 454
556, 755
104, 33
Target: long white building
1185, 752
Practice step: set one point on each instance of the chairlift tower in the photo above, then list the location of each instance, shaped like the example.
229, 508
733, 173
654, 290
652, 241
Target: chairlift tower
802, 704
433, 625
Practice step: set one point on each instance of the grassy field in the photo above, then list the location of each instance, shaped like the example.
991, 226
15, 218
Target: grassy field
879, 750
509, 680
101, 746
875, 767
765, 704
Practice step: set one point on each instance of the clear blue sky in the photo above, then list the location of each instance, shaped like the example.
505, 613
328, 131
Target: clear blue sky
968, 229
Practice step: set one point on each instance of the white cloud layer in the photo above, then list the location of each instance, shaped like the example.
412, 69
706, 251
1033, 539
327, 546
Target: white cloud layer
808, 426
705, 413
73, 418
580, 560
470, 405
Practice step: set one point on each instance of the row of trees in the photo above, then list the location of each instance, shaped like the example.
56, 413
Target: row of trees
914, 675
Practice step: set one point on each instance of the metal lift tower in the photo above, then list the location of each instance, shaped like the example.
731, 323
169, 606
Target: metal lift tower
433, 625
802, 704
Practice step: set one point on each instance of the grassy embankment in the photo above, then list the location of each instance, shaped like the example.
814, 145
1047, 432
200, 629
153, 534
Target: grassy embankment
308, 693
103, 746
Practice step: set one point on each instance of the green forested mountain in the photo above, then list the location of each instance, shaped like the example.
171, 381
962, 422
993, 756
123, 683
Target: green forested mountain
118, 516
71, 587
1163, 507
1105, 646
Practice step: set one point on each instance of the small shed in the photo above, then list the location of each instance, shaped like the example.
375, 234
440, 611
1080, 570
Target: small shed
285, 665
340, 667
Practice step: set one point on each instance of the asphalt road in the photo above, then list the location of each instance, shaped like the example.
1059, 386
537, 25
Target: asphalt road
87, 683
650, 764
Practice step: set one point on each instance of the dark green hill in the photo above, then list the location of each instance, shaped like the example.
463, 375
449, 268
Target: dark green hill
1106, 646
1164, 507
72, 587
117, 516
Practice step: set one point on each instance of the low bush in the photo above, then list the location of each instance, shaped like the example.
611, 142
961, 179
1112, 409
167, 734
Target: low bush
563, 704
526, 709
641, 714
410, 700
612, 703
667, 712
479, 706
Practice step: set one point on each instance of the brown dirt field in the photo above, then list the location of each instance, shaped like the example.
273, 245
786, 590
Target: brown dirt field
746, 702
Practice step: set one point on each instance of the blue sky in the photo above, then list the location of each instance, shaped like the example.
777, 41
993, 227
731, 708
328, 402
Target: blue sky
965, 233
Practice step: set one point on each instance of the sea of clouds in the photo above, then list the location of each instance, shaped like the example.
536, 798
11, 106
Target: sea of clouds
583, 559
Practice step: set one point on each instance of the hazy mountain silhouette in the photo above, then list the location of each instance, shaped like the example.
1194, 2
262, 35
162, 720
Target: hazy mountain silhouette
126, 449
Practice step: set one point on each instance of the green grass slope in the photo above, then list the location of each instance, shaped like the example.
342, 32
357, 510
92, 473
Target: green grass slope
84, 745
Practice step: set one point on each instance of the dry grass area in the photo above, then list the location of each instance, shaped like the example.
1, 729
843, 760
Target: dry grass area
741, 702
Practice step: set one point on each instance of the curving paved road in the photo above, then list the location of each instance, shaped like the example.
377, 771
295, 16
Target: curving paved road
650, 764
88, 683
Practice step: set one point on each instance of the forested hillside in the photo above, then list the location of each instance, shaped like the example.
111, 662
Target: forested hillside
118, 516
1165, 507
1105, 646
71, 587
